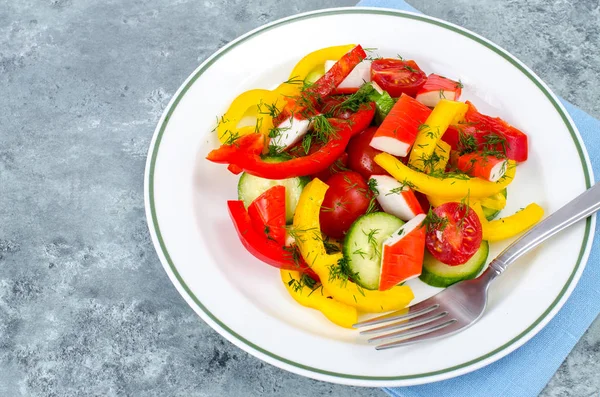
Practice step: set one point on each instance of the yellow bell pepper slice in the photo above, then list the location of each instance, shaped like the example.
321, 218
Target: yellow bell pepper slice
436, 201
254, 104
449, 187
476, 206
503, 228
443, 114
495, 202
308, 237
311, 62
337, 312
441, 154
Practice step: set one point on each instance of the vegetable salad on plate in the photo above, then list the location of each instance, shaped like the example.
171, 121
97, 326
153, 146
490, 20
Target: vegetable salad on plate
359, 173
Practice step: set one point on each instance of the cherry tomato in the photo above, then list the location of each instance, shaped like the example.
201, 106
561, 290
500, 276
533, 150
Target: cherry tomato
453, 233
346, 199
361, 154
338, 166
397, 76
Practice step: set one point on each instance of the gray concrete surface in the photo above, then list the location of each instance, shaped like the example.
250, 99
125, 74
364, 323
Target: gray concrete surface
85, 307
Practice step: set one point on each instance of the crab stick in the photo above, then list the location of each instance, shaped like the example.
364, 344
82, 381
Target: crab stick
395, 198
399, 129
402, 254
437, 88
489, 168
360, 75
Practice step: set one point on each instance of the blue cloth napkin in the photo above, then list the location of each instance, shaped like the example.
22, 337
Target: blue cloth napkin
527, 370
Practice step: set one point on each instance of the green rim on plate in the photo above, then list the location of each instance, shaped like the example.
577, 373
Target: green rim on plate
395, 13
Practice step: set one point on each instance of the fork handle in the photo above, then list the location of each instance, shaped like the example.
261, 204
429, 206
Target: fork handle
577, 209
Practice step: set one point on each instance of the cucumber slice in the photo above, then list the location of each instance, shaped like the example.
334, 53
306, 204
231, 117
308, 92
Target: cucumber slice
250, 187
383, 101
315, 75
491, 213
363, 243
438, 274
383, 104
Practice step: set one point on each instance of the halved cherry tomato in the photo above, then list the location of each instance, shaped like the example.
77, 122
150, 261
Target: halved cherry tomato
454, 233
347, 198
397, 76
267, 213
361, 154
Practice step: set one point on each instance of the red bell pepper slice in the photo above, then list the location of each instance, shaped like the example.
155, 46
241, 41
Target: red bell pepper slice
267, 214
485, 129
245, 152
260, 246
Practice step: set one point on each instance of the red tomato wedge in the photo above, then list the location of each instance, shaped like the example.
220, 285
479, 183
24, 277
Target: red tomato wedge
267, 213
438, 87
399, 129
486, 167
397, 77
454, 233
402, 257
487, 132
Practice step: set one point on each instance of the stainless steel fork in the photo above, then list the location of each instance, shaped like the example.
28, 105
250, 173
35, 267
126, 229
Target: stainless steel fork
461, 305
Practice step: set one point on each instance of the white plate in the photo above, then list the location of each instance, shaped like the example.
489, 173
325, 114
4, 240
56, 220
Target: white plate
244, 300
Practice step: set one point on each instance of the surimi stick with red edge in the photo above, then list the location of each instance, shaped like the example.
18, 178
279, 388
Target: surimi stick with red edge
436, 88
395, 198
402, 256
399, 129
490, 168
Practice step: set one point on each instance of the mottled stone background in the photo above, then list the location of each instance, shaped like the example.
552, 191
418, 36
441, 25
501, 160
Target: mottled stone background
85, 306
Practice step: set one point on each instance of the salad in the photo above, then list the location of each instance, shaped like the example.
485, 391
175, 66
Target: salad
360, 173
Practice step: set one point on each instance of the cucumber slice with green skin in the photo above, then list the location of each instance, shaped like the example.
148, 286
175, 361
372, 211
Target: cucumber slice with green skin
363, 243
438, 274
250, 187
490, 213
315, 75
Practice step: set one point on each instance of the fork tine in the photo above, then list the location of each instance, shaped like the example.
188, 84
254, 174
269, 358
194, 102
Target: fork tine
406, 324
433, 332
414, 331
415, 310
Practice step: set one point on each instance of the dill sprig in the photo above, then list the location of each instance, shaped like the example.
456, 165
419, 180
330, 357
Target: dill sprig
232, 138
434, 222
341, 272
323, 129
373, 186
272, 110
304, 281
331, 247
306, 143
373, 243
